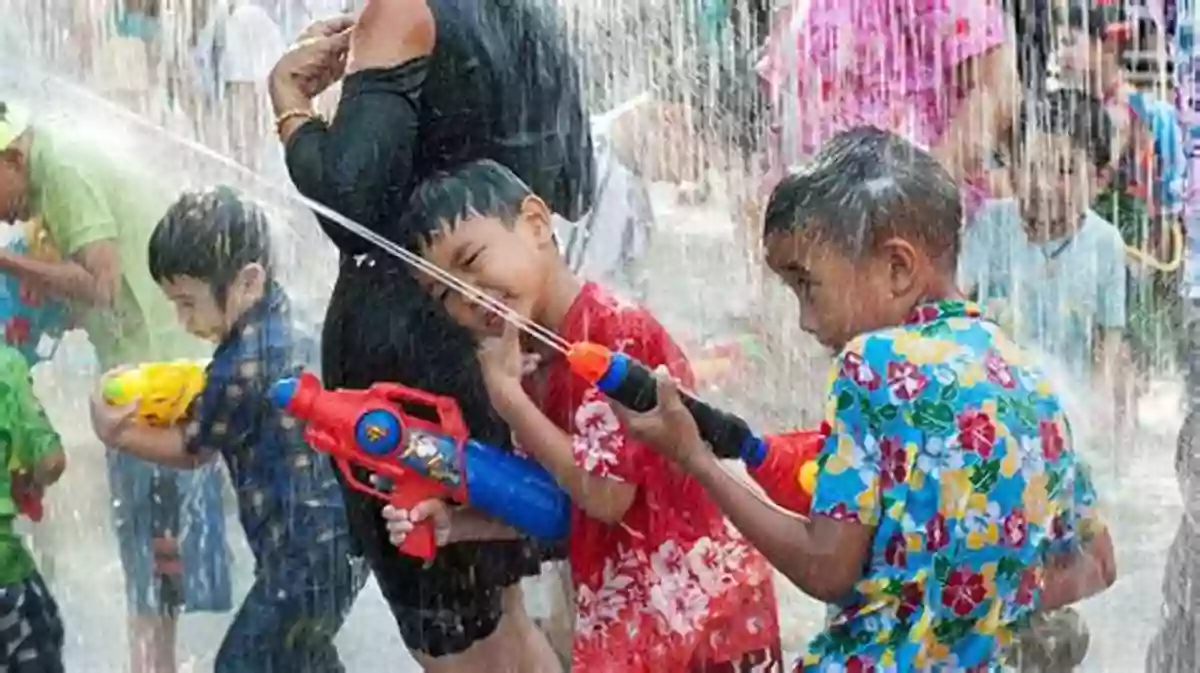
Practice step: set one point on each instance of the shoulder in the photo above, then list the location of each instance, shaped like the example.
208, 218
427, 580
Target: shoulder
997, 213
1101, 232
624, 326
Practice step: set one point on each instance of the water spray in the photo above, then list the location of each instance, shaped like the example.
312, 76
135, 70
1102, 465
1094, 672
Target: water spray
622, 378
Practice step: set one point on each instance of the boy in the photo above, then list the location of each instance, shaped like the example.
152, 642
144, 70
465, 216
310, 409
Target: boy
1056, 266
31, 631
653, 592
949, 505
98, 211
210, 255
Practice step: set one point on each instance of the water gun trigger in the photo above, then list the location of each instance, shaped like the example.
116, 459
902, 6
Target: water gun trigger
420, 542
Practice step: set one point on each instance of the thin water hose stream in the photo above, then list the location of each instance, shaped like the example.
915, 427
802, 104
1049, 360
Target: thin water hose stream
472, 293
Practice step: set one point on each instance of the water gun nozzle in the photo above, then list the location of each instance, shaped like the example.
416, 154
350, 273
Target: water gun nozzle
283, 391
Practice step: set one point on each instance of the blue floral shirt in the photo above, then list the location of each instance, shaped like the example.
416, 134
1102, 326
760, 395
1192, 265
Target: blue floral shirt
944, 438
289, 500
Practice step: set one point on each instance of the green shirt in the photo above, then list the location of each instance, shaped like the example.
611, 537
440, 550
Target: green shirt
26, 438
85, 196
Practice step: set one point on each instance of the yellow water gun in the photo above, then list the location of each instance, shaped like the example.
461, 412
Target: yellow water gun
163, 390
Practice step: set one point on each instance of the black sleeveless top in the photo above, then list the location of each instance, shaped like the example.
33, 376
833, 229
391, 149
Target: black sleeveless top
499, 85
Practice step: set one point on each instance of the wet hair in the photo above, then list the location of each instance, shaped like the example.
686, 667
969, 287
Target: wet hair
1073, 113
209, 235
866, 185
477, 189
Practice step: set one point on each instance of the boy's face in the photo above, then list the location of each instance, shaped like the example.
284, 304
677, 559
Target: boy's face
1055, 181
197, 307
505, 262
839, 297
14, 186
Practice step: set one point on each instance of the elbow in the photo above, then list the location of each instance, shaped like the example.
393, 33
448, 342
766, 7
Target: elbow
51, 469
829, 587
605, 513
1105, 558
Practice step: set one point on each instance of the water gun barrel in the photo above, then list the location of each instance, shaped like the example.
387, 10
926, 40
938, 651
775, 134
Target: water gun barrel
632, 384
784, 465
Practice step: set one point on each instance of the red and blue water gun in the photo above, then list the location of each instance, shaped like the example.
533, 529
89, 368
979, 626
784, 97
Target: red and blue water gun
419, 442
783, 464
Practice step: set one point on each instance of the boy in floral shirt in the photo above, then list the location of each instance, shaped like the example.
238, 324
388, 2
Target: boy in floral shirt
655, 589
949, 505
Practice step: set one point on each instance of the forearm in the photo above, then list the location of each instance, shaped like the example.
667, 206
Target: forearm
163, 446
601, 498
786, 540
361, 163
1078, 576
468, 525
66, 280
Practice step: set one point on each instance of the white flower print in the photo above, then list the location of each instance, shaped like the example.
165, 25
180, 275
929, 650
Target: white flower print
937, 455
597, 441
674, 593
1032, 459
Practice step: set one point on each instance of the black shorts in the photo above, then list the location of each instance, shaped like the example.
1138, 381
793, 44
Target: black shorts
444, 607
459, 598
31, 630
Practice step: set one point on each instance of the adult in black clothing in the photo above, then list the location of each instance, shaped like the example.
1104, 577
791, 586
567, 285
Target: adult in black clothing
428, 86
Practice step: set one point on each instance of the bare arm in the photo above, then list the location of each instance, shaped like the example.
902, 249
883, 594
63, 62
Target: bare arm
360, 164
91, 277
1074, 577
468, 525
603, 499
162, 446
822, 556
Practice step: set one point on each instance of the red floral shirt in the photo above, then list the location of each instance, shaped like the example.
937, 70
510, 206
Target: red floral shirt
673, 584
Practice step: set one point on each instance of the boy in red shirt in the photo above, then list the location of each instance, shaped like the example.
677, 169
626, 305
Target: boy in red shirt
656, 589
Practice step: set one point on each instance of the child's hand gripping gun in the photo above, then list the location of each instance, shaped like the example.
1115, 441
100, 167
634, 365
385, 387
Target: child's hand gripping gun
163, 390
426, 456
784, 465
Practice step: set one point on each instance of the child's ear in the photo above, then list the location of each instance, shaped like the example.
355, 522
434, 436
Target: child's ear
535, 215
901, 259
252, 278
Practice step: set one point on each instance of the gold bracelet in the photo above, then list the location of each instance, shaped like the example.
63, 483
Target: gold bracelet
288, 116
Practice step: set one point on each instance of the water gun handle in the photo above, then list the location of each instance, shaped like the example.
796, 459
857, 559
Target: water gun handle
729, 435
420, 542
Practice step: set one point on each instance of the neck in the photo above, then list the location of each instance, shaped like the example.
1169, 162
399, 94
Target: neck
941, 290
244, 304
562, 289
